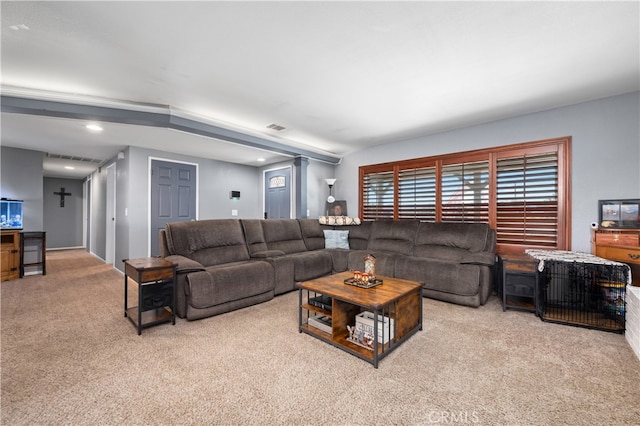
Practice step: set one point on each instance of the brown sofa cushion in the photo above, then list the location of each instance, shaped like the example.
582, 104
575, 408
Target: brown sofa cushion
393, 236
470, 236
254, 236
312, 234
284, 235
225, 283
209, 242
448, 277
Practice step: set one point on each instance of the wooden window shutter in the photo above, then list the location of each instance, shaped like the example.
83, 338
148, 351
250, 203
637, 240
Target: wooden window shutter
417, 194
465, 192
378, 191
527, 200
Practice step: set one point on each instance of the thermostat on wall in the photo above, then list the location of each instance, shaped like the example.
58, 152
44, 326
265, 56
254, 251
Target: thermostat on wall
234, 195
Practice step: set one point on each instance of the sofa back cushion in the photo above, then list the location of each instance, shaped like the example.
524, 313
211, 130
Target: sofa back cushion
254, 235
312, 234
283, 235
209, 242
393, 236
474, 237
359, 235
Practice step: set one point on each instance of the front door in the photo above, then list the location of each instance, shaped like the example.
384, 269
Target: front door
277, 194
173, 197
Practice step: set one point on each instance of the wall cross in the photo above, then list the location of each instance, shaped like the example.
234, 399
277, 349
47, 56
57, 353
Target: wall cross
62, 194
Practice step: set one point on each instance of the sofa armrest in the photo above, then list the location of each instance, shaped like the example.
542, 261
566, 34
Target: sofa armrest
267, 253
185, 264
481, 258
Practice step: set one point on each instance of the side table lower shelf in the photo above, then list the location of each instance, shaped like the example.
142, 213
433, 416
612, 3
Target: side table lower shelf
149, 318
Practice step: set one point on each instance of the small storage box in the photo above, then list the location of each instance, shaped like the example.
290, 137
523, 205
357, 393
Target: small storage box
364, 322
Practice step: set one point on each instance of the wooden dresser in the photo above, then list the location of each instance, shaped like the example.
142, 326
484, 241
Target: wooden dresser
622, 245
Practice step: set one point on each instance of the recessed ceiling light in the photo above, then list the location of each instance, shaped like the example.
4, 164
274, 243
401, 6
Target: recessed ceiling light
94, 127
261, 159
19, 27
69, 167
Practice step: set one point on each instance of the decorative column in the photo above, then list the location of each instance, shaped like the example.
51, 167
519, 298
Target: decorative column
300, 181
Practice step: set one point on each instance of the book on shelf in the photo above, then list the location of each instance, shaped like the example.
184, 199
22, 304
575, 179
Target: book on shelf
386, 329
321, 301
321, 322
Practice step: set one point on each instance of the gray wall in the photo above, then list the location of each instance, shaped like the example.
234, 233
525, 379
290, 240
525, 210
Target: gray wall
21, 179
317, 189
605, 152
97, 221
215, 180
63, 225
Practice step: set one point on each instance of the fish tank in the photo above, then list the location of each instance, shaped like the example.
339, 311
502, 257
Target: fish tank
10, 214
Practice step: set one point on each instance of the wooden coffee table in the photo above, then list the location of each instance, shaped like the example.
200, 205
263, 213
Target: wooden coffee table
397, 299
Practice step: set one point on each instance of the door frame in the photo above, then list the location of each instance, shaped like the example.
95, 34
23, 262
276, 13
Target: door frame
86, 214
110, 226
149, 170
292, 201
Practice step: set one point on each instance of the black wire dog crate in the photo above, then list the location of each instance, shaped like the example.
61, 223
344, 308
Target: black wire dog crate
583, 294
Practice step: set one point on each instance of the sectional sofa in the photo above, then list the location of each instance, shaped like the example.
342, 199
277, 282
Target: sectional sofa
227, 264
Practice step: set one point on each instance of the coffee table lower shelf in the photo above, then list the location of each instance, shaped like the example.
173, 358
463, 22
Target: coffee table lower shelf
343, 343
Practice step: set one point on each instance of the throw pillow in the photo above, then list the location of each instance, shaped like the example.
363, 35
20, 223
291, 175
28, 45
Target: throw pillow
336, 239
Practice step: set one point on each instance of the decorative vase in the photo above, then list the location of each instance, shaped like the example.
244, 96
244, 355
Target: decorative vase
370, 265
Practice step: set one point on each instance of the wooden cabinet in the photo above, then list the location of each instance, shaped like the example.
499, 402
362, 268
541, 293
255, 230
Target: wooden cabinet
622, 245
10, 257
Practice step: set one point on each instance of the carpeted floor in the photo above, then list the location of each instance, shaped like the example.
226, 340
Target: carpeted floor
70, 357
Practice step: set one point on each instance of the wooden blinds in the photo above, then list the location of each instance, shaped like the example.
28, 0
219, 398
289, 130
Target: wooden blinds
465, 192
378, 189
417, 193
527, 200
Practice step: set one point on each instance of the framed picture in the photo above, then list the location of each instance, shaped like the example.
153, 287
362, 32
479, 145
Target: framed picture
337, 208
619, 213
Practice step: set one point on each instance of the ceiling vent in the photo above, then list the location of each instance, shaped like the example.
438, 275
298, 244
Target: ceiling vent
276, 127
74, 158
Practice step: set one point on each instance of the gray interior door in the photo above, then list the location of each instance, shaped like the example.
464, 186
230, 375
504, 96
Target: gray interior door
277, 194
173, 196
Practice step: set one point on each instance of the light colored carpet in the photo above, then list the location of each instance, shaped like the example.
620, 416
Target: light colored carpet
70, 357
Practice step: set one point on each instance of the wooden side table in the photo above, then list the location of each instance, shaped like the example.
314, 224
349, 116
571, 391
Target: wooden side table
156, 279
519, 282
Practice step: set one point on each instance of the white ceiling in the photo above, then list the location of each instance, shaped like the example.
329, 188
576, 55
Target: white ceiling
339, 76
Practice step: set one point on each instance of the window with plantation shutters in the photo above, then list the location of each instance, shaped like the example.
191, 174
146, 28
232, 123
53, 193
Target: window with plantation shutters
522, 191
417, 194
465, 192
379, 193
527, 200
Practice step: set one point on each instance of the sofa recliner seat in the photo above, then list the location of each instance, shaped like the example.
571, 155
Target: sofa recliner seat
215, 273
